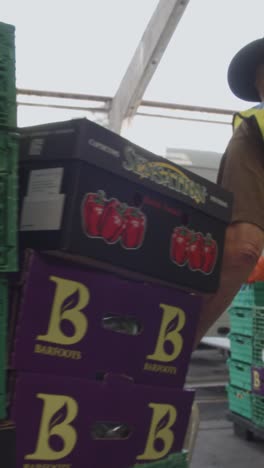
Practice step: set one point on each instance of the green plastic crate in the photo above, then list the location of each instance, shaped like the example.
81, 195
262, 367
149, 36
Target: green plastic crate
3, 407
7, 86
8, 108
258, 351
240, 401
240, 374
241, 348
245, 296
7, 63
7, 42
247, 349
250, 295
241, 320
8, 113
258, 321
247, 321
7, 58
258, 410
8, 222
7, 30
8, 153
176, 460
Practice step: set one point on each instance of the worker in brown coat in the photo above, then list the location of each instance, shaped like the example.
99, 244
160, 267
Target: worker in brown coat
242, 172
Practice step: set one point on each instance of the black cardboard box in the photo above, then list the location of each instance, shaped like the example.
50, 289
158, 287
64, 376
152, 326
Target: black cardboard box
87, 192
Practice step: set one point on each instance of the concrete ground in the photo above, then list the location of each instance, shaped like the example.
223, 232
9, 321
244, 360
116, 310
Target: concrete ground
217, 446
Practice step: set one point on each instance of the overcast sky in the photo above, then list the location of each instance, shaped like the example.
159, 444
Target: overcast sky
86, 45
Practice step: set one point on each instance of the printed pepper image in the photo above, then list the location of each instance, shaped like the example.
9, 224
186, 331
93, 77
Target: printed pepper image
179, 245
134, 228
196, 251
92, 211
112, 221
210, 254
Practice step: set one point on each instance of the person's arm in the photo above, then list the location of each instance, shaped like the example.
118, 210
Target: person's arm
241, 172
243, 246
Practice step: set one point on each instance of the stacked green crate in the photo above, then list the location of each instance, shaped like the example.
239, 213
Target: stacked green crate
8, 202
247, 346
8, 188
8, 114
8, 150
176, 460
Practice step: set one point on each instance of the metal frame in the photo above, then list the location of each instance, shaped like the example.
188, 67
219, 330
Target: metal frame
124, 105
102, 104
145, 61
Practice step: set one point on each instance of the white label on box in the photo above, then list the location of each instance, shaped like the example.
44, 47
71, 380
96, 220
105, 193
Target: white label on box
36, 146
42, 214
44, 182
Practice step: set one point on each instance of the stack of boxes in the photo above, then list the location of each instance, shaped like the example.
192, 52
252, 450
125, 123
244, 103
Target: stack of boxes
8, 190
246, 366
104, 336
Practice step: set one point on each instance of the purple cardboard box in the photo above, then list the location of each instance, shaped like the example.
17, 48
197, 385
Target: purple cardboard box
257, 380
89, 193
82, 323
74, 423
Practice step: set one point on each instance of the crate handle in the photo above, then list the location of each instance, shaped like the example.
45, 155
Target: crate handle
240, 314
240, 340
260, 312
239, 367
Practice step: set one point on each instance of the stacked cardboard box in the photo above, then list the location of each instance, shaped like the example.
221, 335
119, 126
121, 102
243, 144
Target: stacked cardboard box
87, 193
118, 245
110, 353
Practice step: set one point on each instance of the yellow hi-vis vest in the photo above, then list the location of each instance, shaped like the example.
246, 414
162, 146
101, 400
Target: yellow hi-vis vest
257, 112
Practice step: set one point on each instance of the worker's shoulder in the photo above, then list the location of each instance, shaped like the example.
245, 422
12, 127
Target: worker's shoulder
247, 133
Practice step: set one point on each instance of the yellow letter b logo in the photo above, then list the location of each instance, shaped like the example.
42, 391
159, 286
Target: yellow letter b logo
56, 437
256, 380
173, 321
70, 298
160, 438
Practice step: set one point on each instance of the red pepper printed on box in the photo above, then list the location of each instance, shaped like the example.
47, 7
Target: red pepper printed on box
192, 249
196, 251
210, 254
113, 221
179, 245
134, 229
92, 211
